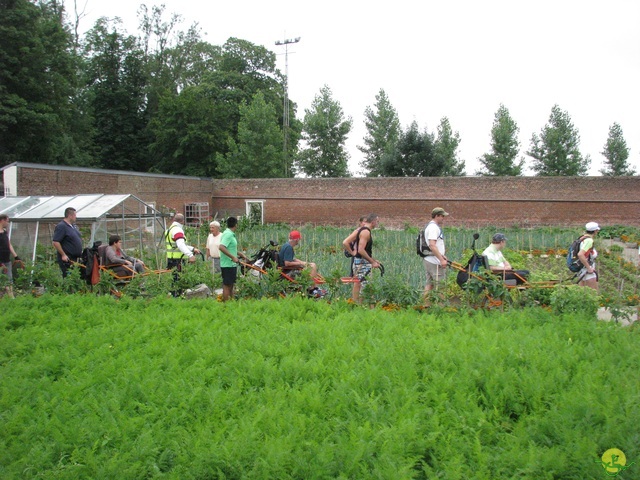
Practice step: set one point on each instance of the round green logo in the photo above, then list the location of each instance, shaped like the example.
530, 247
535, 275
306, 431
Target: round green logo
614, 461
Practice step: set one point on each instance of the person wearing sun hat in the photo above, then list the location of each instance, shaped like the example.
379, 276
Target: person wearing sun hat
287, 260
588, 275
435, 263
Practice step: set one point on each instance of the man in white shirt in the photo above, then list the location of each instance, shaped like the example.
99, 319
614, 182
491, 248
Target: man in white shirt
435, 263
213, 244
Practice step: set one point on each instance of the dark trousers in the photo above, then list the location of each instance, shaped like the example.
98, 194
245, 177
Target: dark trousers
177, 264
65, 266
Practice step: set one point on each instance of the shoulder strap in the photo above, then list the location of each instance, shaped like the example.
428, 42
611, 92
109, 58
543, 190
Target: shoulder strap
356, 242
360, 231
439, 229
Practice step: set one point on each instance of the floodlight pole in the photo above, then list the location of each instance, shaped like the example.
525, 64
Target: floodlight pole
285, 111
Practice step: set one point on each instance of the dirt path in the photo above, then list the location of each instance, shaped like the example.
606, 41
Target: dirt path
630, 254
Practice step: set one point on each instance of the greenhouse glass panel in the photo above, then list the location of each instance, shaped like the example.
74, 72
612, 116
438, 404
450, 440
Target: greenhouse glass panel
52, 204
22, 206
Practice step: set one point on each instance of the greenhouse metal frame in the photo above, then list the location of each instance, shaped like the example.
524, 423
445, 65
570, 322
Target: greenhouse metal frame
32, 221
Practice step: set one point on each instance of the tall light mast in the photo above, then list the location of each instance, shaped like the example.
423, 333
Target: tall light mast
285, 111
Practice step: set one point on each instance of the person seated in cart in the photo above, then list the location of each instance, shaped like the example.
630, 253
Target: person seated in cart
498, 264
116, 259
287, 261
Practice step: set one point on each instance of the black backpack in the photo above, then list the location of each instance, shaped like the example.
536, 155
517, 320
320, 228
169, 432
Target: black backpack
89, 259
573, 262
422, 246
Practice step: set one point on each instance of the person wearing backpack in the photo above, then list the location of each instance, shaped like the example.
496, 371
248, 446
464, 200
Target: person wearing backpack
586, 255
362, 251
435, 263
350, 242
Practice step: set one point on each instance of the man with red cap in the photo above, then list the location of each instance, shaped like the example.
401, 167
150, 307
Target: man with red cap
287, 260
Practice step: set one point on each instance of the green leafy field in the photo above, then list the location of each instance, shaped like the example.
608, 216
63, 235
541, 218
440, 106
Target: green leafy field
92, 387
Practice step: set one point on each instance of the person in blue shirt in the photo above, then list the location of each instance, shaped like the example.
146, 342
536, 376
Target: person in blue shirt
67, 241
287, 260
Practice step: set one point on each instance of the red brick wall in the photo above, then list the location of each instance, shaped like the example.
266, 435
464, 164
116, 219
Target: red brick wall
503, 201
170, 191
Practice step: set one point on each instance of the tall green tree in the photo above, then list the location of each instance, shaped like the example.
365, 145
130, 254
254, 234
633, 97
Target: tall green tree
616, 154
556, 150
446, 150
413, 155
37, 83
189, 130
192, 129
258, 152
325, 131
116, 82
175, 59
383, 131
505, 146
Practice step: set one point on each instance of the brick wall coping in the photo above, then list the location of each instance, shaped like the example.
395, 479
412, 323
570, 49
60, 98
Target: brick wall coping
43, 166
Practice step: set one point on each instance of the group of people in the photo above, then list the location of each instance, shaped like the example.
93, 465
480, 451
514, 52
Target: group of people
222, 250
436, 262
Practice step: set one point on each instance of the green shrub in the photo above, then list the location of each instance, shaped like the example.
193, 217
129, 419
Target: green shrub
390, 290
575, 299
616, 249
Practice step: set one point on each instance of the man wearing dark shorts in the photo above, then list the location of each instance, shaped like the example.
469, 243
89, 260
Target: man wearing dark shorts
67, 241
229, 258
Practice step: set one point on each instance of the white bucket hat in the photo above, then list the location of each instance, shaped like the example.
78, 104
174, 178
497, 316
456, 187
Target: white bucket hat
592, 227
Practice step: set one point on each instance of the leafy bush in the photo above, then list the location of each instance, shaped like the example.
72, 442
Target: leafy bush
193, 274
390, 290
616, 249
575, 299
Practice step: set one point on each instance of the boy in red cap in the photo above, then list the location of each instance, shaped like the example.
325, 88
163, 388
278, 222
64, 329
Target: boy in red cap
287, 260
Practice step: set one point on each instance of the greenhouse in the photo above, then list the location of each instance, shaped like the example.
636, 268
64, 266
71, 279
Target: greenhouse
32, 221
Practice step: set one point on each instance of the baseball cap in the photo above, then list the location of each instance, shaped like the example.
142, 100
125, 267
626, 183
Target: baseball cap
499, 237
592, 227
295, 235
438, 211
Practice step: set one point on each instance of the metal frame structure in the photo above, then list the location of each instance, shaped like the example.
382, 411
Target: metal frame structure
32, 219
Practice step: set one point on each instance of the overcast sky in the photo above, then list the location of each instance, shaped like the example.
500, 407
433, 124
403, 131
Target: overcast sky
455, 58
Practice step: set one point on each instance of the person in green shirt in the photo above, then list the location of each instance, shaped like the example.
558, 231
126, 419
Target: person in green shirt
498, 264
229, 258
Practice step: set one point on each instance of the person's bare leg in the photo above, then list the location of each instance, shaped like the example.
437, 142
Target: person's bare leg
427, 293
227, 292
314, 269
591, 283
355, 292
